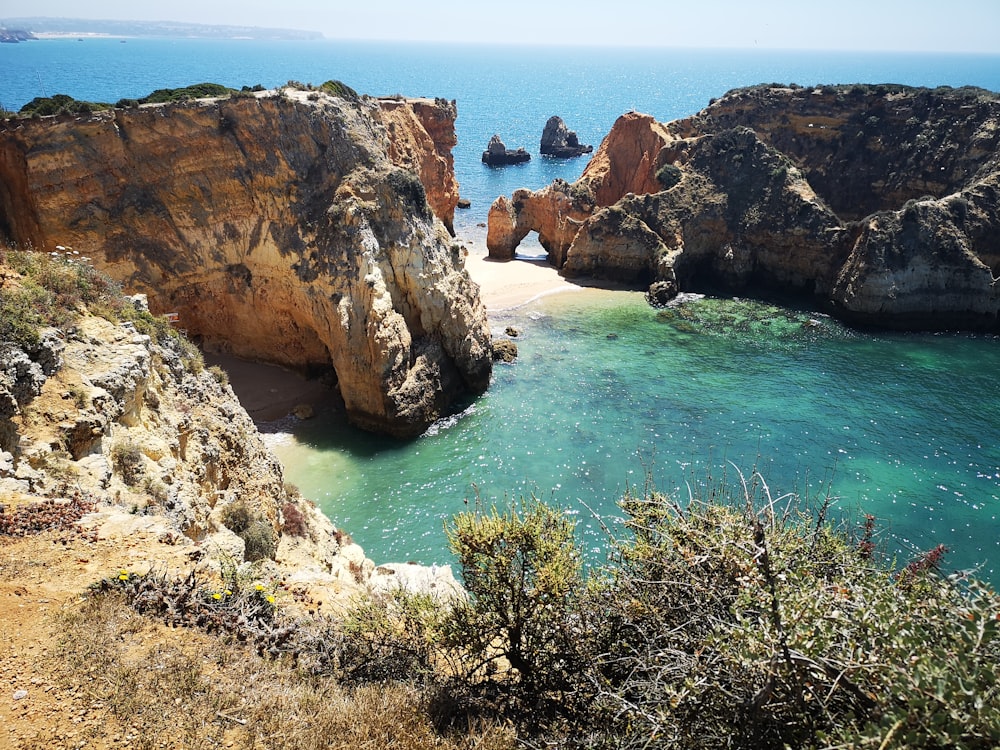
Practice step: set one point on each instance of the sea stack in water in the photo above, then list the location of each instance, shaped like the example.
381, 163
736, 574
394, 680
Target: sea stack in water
561, 142
882, 202
290, 227
498, 155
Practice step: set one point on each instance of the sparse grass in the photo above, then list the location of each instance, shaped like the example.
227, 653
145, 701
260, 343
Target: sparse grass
50, 292
220, 375
184, 688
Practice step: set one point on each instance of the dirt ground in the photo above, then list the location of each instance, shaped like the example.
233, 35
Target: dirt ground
42, 579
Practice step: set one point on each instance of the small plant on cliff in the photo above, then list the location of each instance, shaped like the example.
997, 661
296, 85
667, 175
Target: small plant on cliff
294, 522
50, 292
668, 175
522, 570
341, 89
258, 537
220, 375
127, 460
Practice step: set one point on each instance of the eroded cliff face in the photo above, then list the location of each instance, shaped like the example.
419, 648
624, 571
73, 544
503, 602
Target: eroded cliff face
880, 201
158, 448
279, 229
421, 137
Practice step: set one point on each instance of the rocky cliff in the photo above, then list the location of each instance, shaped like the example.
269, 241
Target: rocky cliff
116, 417
278, 228
421, 137
879, 201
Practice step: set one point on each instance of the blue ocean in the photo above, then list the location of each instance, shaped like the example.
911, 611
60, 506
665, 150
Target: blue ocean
608, 393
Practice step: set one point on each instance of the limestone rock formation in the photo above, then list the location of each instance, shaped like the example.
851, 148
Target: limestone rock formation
498, 155
157, 444
421, 137
879, 201
561, 142
277, 228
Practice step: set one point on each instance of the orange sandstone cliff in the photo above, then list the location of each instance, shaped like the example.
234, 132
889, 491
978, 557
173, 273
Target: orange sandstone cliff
881, 202
289, 227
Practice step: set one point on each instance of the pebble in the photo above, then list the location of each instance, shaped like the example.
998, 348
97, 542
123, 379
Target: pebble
20, 695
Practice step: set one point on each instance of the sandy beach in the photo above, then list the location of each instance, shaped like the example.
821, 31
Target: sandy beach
505, 285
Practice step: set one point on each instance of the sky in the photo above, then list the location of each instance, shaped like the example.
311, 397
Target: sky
891, 25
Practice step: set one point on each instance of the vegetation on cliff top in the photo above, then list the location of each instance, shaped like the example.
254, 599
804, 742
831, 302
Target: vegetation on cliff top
742, 622
63, 104
54, 289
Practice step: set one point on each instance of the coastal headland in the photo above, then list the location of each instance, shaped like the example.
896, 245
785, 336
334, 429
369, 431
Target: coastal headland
289, 227
878, 202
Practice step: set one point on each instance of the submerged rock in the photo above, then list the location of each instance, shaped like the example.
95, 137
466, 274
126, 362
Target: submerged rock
504, 350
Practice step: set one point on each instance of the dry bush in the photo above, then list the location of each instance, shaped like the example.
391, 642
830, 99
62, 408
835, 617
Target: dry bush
187, 689
295, 522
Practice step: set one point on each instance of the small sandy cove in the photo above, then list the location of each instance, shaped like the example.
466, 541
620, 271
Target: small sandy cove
505, 285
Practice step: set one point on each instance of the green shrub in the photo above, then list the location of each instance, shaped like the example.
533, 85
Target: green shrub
237, 517
341, 89
259, 541
258, 537
58, 104
394, 637
668, 175
185, 93
522, 570
745, 623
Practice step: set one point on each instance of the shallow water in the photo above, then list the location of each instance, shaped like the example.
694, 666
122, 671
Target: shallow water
607, 390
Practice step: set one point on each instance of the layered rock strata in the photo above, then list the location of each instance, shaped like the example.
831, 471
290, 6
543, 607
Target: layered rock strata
421, 137
277, 228
882, 202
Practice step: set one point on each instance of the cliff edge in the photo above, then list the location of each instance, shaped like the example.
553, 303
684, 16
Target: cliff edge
111, 420
880, 202
279, 228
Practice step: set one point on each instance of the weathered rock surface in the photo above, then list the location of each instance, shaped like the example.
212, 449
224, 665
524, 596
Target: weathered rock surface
421, 137
279, 229
882, 202
561, 142
498, 155
161, 447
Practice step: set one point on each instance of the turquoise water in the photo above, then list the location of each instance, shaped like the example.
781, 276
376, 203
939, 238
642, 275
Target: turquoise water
606, 389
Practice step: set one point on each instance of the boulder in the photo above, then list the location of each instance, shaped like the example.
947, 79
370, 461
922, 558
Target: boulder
498, 155
561, 142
